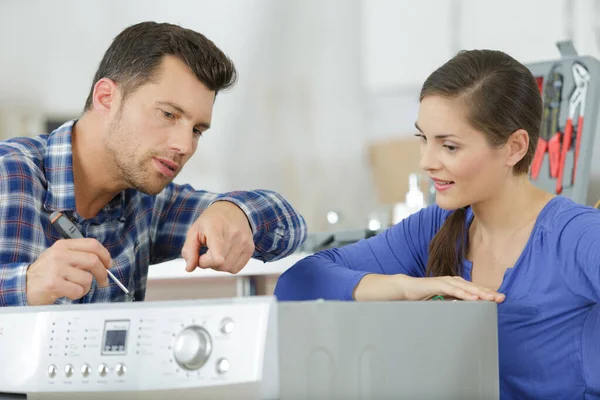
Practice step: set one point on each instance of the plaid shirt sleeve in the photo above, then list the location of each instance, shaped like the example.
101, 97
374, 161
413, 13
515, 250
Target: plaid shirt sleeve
19, 211
278, 229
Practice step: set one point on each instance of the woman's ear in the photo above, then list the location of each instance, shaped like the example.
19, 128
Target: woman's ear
516, 147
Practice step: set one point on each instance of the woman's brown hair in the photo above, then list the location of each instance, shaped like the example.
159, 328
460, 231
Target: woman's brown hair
501, 96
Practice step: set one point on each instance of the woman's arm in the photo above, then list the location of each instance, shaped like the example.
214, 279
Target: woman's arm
389, 266
335, 273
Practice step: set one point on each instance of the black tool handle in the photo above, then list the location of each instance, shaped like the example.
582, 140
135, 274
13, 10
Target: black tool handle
67, 229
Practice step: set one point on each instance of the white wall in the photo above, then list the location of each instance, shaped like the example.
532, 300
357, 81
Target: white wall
294, 123
51, 48
318, 79
304, 106
50, 61
404, 40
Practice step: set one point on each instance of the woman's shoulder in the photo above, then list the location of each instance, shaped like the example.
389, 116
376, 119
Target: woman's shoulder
562, 211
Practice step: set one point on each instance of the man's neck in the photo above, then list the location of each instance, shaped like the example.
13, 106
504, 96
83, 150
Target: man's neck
93, 178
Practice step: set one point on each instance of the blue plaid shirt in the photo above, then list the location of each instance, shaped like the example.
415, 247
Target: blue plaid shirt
36, 178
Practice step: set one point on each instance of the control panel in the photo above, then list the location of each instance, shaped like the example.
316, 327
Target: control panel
139, 346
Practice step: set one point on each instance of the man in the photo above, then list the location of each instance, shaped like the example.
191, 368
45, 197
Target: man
111, 173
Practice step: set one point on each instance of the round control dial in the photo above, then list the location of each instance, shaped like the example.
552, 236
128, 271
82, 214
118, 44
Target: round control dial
192, 347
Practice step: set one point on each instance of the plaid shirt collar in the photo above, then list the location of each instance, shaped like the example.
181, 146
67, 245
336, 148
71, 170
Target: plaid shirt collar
58, 165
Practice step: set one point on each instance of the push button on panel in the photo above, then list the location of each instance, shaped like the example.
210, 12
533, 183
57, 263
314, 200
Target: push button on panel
120, 369
223, 365
227, 326
102, 370
52, 370
68, 370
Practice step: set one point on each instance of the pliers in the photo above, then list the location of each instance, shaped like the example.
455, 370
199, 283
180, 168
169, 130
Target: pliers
581, 77
549, 139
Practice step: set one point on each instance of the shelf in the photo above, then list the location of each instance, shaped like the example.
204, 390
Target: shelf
175, 269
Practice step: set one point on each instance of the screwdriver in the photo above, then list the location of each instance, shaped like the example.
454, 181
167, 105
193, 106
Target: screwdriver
68, 230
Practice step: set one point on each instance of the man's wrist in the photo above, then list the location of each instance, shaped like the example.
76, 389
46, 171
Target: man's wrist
234, 205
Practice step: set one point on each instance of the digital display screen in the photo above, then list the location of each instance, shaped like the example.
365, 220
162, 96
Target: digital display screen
115, 337
115, 340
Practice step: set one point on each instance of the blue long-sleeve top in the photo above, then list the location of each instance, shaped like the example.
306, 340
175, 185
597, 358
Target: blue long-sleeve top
549, 323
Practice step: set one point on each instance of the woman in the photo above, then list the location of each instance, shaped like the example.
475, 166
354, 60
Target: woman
492, 236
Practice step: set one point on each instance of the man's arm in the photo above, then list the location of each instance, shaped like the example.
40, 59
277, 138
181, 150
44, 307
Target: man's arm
12, 284
19, 213
33, 271
278, 230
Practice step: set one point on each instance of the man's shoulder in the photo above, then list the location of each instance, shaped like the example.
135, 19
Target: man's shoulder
24, 147
22, 156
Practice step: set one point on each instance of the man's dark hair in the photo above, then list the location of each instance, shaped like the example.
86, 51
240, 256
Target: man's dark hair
136, 53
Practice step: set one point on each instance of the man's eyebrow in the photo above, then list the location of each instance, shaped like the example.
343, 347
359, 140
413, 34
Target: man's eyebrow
180, 109
175, 106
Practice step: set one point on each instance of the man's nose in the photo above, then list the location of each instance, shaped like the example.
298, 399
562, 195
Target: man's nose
182, 141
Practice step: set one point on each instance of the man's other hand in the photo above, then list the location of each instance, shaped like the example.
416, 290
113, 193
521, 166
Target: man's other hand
224, 229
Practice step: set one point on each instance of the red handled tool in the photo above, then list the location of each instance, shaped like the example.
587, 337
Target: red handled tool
540, 82
549, 140
581, 77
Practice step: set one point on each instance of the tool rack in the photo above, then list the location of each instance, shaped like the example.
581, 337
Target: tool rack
570, 90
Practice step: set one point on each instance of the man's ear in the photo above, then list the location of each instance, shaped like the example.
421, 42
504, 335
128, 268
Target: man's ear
516, 147
104, 96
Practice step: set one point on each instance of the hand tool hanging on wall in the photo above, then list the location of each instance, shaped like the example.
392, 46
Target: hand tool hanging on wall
540, 82
549, 139
581, 77
585, 78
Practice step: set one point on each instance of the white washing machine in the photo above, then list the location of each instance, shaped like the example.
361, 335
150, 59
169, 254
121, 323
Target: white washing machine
250, 348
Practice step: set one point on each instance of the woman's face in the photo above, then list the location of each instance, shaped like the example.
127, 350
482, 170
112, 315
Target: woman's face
464, 167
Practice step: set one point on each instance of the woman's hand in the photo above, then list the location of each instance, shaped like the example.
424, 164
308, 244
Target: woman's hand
376, 287
447, 286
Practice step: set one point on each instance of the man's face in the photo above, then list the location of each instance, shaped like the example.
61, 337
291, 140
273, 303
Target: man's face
155, 131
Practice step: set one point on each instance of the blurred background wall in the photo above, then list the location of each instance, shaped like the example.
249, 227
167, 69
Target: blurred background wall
322, 83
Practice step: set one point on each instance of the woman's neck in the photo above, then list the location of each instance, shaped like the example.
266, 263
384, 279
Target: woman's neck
515, 207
